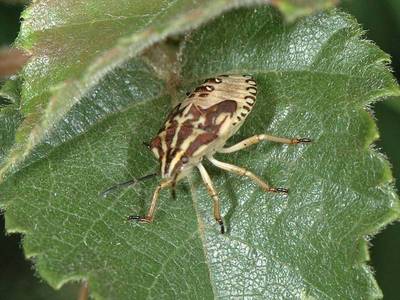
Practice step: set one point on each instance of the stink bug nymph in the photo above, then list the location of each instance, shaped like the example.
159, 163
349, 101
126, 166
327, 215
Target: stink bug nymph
199, 127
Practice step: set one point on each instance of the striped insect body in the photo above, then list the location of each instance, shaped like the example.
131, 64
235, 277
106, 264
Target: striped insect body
199, 127
202, 123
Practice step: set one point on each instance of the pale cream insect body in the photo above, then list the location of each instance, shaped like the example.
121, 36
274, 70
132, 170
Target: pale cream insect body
199, 127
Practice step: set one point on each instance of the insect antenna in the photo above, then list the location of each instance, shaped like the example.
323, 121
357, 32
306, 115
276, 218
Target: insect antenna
130, 182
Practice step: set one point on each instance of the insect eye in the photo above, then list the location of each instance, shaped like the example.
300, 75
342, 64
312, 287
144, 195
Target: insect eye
185, 159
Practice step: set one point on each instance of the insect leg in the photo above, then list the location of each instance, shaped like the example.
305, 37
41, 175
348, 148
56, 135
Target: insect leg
148, 218
243, 172
262, 137
213, 193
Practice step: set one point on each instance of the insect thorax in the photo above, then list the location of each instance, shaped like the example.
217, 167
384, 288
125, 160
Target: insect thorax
203, 122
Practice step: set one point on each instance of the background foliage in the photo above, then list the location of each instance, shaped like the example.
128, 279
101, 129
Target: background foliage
385, 260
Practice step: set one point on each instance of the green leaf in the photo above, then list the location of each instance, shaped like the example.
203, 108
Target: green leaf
315, 79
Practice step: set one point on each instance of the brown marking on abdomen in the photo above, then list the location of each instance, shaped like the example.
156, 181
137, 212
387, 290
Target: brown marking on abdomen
211, 114
202, 139
211, 128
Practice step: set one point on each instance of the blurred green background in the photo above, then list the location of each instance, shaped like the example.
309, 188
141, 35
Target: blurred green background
381, 20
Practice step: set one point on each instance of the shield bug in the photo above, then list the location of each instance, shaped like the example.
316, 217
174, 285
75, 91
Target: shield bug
198, 128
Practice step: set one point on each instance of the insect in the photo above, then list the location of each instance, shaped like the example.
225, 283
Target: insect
198, 128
